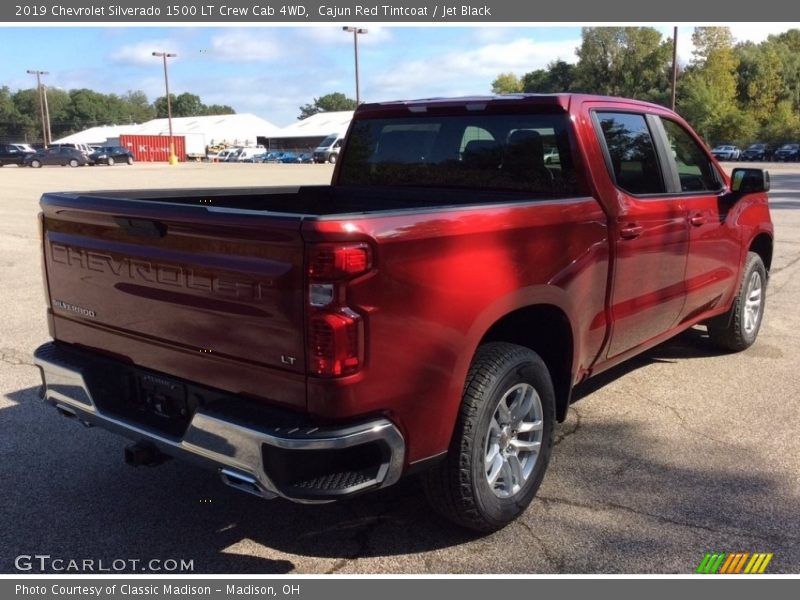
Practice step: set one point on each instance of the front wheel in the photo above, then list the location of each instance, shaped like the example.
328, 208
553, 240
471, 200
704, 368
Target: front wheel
130, 160
73, 163
36, 164
332, 158
502, 441
738, 328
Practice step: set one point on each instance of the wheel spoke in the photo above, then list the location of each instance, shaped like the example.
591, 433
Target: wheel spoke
503, 412
525, 445
491, 455
522, 404
515, 466
494, 472
508, 477
527, 426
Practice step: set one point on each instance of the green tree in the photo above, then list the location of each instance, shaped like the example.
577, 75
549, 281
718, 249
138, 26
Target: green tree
558, 77
708, 97
506, 83
188, 105
327, 103
633, 62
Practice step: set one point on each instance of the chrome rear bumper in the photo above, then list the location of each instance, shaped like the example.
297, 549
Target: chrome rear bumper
237, 451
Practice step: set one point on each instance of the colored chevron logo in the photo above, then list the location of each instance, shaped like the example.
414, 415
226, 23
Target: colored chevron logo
734, 563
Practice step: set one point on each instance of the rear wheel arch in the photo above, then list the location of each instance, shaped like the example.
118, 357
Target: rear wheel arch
546, 329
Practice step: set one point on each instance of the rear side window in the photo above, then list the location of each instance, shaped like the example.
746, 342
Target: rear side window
482, 152
631, 151
695, 170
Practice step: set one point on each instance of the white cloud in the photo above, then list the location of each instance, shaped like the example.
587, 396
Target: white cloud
758, 32
141, 53
467, 71
252, 45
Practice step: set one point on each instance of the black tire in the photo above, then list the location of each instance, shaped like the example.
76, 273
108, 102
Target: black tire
737, 329
332, 158
110, 161
458, 487
130, 160
36, 164
73, 162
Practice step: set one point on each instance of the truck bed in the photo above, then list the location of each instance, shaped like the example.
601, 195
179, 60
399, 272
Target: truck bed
314, 201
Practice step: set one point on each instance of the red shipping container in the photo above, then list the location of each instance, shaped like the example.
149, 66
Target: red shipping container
153, 148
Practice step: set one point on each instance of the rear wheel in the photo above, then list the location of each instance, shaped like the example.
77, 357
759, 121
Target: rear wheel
36, 164
130, 160
738, 328
502, 441
73, 162
110, 162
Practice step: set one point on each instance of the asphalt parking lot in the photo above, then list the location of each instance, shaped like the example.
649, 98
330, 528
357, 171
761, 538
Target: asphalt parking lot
680, 452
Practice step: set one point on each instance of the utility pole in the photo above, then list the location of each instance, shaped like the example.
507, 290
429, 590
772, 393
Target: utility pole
41, 102
356, 31
47, 115
165, 55
674, 65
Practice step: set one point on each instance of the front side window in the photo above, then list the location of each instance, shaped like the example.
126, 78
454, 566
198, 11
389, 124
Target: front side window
695, 170
504, 152
631, 151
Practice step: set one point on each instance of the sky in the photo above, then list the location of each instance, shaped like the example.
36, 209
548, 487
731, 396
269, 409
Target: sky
272, 71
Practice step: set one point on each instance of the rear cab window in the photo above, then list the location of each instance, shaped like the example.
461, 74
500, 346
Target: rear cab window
504, 152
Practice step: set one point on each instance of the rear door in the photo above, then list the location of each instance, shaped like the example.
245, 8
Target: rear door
651, 237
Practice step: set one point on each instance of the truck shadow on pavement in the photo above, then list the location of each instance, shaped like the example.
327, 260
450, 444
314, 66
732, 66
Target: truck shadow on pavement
609, 503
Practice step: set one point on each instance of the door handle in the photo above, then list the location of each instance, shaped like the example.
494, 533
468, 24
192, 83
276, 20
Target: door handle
697, 220
631, 231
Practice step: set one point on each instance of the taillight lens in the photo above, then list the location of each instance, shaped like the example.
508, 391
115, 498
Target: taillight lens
334, 343
335, 330
332, 262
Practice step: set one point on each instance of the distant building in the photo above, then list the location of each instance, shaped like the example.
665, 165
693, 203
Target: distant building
306, 135
199, 133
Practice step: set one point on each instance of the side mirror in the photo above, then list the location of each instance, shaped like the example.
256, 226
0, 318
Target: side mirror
749, 181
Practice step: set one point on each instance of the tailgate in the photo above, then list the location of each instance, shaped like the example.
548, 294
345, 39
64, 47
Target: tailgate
220, 284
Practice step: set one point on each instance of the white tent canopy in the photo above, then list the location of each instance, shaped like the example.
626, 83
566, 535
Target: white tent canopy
319, 125
241, 129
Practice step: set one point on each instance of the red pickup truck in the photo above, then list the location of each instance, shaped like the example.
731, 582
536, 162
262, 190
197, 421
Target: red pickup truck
429, 312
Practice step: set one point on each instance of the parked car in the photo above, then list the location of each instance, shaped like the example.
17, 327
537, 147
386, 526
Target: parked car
273, 157
419, 315
290, 157
726, 152
13, 154
56, 156
328, 149
111, 155
788, 152
222, 155
247, 153
552, 157
306, 157
85, 148
757, 152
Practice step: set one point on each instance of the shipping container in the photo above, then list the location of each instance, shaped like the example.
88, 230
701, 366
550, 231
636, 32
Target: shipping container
153, 148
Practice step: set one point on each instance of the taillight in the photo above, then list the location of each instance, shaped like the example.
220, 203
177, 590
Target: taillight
330, 262
335, 331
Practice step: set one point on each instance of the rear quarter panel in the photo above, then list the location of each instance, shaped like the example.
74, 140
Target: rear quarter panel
442, 278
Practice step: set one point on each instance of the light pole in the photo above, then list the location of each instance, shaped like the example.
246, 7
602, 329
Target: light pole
45, 125
355, 31
165, 55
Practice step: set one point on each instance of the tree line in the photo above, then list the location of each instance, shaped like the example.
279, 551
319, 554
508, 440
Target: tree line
76, 110
729, 92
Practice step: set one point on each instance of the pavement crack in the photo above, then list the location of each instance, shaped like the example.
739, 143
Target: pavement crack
15, 358
558, 563
610, 506
362, 540
791, 263
684, 421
